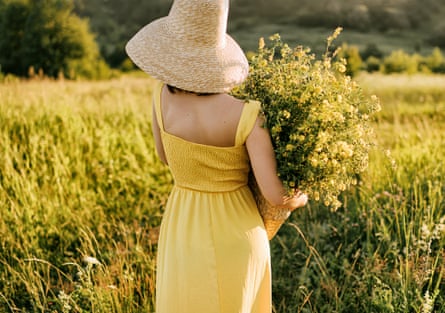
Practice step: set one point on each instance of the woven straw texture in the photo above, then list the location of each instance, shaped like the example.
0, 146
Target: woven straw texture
272, 217
190, 48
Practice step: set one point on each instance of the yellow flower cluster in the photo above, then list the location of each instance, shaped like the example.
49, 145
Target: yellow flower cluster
317, 116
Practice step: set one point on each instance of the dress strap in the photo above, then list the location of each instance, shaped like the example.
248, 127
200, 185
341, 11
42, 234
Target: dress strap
247, 121
157, 89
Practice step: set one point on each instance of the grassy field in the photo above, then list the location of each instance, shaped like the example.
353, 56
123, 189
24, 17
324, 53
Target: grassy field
81, 194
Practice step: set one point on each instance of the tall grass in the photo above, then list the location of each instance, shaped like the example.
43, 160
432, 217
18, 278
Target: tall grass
384, 250
81, 194
79, 179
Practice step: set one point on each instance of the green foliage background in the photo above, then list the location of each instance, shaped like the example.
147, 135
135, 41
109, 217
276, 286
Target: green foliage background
79, 38
407, 25
47, 37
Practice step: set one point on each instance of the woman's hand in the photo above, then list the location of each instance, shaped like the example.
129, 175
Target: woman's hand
298, 200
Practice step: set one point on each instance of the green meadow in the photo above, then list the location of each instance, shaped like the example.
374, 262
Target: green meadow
82, 194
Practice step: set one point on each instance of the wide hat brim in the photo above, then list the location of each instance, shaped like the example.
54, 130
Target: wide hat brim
192, 67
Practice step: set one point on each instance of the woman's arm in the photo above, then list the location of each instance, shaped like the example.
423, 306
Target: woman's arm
262, 158
157, 137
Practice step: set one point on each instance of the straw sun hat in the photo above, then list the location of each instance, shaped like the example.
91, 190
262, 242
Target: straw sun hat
190, 48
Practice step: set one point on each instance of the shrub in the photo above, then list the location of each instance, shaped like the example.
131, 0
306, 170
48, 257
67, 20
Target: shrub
436, 61
317, 116
372, 64
127, 65
401, 62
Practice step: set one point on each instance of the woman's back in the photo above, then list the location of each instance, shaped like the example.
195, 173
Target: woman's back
205, 151
213, 249
210, 120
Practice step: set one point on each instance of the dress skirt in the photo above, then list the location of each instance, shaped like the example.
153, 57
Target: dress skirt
214, 255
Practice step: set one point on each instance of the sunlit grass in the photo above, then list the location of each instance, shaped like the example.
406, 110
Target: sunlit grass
79, 177
81, 192
383, 252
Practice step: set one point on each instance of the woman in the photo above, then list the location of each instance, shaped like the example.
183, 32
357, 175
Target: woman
213, 253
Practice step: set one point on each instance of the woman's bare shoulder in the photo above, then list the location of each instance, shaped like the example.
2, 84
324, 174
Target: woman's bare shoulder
229, 99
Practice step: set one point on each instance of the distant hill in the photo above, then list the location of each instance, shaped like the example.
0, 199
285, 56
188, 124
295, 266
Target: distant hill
411, 25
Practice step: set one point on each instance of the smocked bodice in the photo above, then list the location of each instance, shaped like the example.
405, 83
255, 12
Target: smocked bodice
209, 168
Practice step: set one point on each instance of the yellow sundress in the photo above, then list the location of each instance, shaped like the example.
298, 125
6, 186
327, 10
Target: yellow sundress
213, 251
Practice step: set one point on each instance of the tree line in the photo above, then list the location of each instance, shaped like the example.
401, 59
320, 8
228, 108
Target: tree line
115, 21
371, 59
85, 37
46, 36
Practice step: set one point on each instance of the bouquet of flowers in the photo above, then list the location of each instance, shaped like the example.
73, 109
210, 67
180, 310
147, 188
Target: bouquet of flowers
317, 116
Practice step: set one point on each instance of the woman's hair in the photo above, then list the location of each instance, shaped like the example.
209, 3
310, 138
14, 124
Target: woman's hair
174, 89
